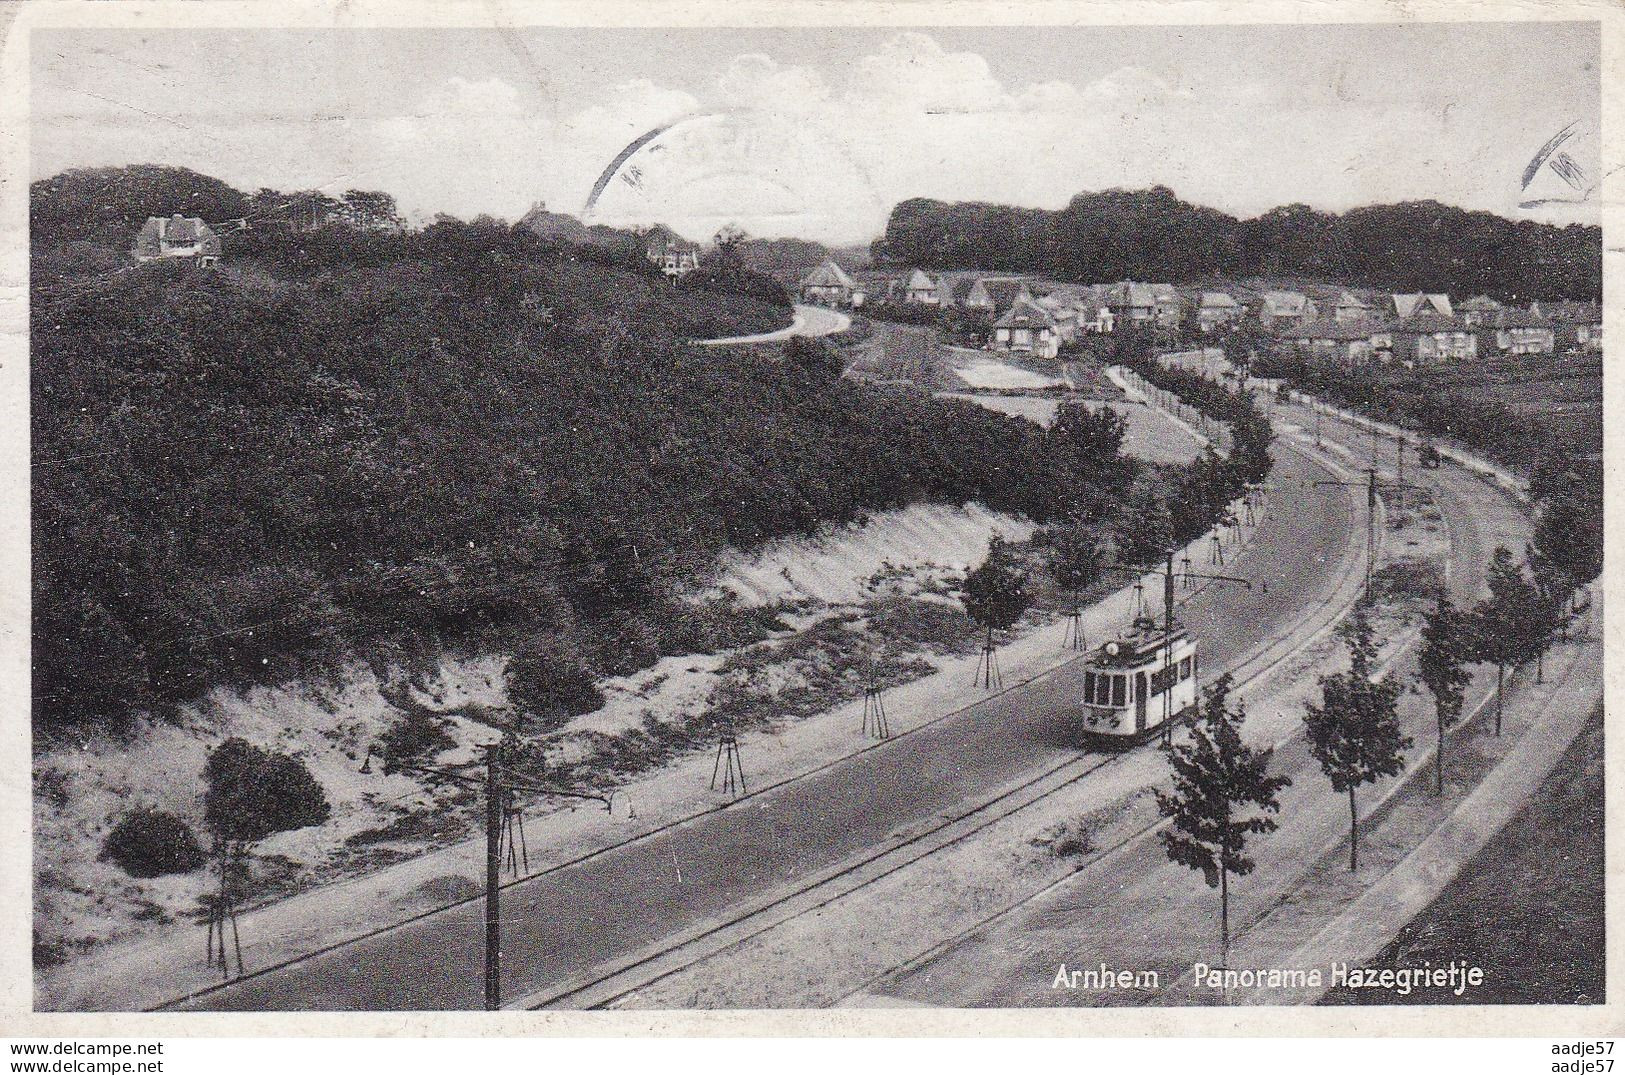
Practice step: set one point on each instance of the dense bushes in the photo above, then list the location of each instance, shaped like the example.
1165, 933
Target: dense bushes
151, 843
460, 437
252, 793
548, 684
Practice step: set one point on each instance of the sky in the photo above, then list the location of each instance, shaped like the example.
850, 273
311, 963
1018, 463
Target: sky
817, 133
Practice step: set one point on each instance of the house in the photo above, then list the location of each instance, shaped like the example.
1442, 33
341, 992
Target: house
1349, 343
1351, 308
828, 285
177, 237
1216, 309
1132, 304
1577, 326
674, 257
1168, 306
1514, 332
1278, 306
1026, 328
1479, 310
1403, 306
1424, 338
920, 290
997, 294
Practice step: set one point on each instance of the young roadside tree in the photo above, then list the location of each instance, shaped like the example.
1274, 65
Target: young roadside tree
1354, 732
1554, 587
995, 595
1507, 624
1077, 554
1447, 648
1223, 793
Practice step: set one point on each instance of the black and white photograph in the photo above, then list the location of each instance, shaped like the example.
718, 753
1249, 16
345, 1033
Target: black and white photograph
886, 514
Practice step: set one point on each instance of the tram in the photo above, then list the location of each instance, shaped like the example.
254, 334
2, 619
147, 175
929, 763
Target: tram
1137, 683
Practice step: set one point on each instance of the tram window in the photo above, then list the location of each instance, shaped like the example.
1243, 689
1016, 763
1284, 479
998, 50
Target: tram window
1089, 688
1185, 668
1119, 689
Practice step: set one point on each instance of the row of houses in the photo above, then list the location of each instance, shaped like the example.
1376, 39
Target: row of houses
1354, 326
1431, 331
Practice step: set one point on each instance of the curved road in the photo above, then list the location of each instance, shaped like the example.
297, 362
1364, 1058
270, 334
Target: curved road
809, 321
582, 914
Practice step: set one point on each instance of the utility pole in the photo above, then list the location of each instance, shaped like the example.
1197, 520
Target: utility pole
1371, 486
498, 786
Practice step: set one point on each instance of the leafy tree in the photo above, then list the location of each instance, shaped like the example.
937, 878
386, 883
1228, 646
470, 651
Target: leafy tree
1091, 435
1354, 731
1507, 625
252, 793
1077, 555
1569, 530
1223, 793
370, 208
1145, 532
1447, 647
995, 594
1554, 588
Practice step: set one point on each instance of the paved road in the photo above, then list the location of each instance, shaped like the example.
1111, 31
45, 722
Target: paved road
809, 321
1134, 909
580, 915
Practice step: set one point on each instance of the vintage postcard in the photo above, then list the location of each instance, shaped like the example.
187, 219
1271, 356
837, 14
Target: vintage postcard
805, 518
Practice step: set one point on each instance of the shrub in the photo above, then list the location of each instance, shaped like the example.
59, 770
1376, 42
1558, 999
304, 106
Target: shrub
548, 682
151, 843
253, 793
416, 735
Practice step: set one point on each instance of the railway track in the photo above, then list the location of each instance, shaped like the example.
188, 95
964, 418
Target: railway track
606, 984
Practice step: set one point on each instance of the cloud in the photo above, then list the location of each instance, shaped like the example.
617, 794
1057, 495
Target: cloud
758, 81
1131, 87
912, 73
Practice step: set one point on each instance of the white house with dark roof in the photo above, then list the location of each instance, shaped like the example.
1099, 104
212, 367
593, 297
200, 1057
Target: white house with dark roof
1351, 307
1026, 328
1286, 306
1217, 309
920, 290
828, 285
177, 237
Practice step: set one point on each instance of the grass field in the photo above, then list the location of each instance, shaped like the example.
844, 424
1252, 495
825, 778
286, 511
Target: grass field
1563, 393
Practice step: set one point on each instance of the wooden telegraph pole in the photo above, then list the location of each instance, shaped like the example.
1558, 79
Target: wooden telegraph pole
498, 785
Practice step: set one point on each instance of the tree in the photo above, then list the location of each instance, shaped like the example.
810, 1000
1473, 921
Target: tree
1554, 587
1077, 554
1091, 435
1354, 732
252, 793
1223, 793
370, 209
1447, 647
1507, 625
995, 594
1145, 531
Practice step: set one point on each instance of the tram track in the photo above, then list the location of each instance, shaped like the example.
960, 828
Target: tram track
603, 986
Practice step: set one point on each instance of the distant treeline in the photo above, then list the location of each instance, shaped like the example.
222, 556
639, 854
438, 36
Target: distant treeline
1153, 235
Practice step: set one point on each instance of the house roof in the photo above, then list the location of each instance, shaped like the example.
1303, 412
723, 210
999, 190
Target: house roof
1285, 302
828, 274
1218, 300
1003, 290
1129, 293
1348, 299
1588, 312
1406, 305
1511, 318
1025, 314
919, 281
1480, 302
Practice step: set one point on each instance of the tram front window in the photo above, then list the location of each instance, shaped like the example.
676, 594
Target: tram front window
1119, 690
